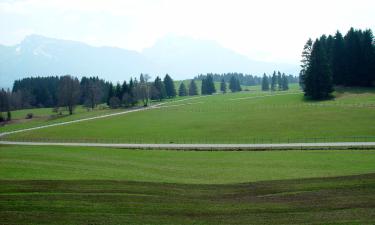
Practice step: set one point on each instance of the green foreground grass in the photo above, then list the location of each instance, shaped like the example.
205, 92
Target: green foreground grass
203, 167
82, 185
342, 200
246, 117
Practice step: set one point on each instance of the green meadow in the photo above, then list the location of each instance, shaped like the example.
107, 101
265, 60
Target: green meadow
245, 117
75, 163
75, 185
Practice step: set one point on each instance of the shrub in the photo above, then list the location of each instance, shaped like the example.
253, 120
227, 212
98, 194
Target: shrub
29, 116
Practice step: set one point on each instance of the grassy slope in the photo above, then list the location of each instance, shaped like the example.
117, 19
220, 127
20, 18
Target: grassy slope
343, 200
44, 116
233, 118
65, 163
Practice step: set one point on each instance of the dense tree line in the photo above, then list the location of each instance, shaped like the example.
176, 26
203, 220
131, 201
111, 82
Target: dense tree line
278, 81
44, 91
244, 79
338, 60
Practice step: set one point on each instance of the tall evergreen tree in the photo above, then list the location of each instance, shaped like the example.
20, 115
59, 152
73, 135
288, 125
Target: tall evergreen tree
284, 83
193, 89
366, 73
318, 80
306, 54
265, 83
208, 86
118, 91
159, 92
233, 84
169, 86
110, 93
182, 91
273, 81
279, 81
223, 86
338, 59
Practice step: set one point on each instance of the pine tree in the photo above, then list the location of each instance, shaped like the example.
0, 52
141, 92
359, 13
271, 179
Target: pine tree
279, 81
182, 90
110, 93
238, 85
306, 53
367, 68
223, 86
169, 86
318, 80
208, 86
265, 83
193, 89
118, 91
273, 81
159, 91
284, 83
232, 84
338, 59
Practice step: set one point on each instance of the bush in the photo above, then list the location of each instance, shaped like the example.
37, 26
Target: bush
29, 116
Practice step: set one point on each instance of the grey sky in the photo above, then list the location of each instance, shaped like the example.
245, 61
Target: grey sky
265, 30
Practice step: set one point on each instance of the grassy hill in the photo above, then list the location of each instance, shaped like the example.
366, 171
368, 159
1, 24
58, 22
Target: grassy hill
246, 117
71, 185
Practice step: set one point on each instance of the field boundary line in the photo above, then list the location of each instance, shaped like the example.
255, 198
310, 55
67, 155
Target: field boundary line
281, 146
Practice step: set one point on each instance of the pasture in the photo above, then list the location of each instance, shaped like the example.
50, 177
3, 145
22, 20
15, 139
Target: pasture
71, 185
245, 117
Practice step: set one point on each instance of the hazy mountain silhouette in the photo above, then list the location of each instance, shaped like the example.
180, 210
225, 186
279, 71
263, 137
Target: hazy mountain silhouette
179, 56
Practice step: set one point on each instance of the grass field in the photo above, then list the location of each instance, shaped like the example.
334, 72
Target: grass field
45, 116
64, 163
246, 117
70, 185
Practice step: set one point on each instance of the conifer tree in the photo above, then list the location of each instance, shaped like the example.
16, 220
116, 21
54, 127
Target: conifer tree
306, 53
232, 84
273, 81
318, 80
208, 86
169, 86
159, 92
279, 81
284, 83
182, 90
223, 86
193, 89
338, 59
110, 93
265, 83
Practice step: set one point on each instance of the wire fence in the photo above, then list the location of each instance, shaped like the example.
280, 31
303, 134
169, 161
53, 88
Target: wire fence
204, 140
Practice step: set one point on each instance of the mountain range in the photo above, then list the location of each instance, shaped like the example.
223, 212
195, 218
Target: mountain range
182, 57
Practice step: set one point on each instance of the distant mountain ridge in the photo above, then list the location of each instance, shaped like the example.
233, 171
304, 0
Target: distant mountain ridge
181, 57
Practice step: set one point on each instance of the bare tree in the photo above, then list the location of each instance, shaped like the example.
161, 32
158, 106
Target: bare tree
143, 89
69, 92
93, 94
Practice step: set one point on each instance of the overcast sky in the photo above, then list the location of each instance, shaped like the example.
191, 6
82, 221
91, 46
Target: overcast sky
271, 30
